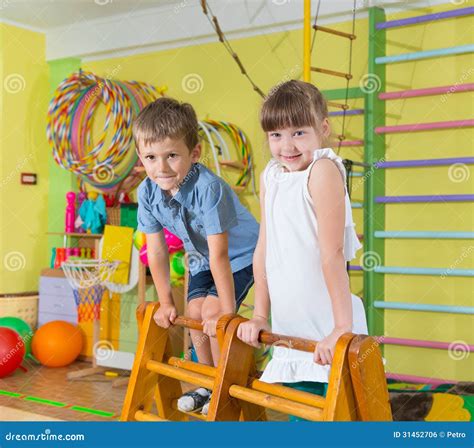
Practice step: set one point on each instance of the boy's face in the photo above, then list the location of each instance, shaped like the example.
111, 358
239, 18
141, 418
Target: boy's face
294, 147
167, 162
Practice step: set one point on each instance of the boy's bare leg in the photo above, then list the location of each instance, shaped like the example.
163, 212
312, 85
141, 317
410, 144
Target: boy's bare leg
212, 308
200, 340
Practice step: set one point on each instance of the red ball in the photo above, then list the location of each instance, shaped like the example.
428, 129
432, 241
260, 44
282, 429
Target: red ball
12, 351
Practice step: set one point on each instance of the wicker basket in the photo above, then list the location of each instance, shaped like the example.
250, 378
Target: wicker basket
113, 216
23, 306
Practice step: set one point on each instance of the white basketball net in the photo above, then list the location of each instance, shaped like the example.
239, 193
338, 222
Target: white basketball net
89, 272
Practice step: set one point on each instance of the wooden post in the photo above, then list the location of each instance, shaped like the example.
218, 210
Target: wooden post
340, 404
368, 380
144, 385
235, 365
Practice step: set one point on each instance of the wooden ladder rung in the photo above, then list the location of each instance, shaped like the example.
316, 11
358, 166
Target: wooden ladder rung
289, 393
257, 385
331, 72
180, 374
232, 164
339, 105
276, 403
192, 366
143, 416
197, 415
335, 32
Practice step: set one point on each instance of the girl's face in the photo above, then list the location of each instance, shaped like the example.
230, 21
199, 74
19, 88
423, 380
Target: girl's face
294, 147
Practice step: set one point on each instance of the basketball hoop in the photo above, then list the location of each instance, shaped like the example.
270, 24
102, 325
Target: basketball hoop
89, 279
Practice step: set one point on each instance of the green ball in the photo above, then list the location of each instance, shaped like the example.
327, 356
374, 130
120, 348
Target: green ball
22, 328
177, 263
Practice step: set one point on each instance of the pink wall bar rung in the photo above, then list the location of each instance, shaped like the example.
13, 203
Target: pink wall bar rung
443, 90
419, 379
352, 143
421, 343
424, 126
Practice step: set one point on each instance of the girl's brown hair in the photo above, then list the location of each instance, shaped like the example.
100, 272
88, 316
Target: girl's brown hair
293, 104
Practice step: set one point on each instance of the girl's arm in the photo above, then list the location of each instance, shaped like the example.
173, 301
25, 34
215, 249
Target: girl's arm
262, 296
326, 187
249, 331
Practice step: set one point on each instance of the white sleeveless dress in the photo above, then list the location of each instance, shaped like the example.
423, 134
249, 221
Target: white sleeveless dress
300, 301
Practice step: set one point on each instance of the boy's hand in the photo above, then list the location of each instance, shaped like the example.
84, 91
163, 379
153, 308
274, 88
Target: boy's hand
248, 331
324, 352
209, 326
165, 315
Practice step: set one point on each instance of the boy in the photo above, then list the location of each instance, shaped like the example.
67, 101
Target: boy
218, 233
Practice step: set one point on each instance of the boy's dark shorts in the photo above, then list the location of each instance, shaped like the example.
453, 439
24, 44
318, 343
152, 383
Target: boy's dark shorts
202, 285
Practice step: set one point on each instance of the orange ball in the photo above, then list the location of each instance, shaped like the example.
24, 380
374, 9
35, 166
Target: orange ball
57, 343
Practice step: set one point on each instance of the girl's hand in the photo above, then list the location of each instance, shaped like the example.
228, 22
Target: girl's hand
248, 331
324, 352
165, 315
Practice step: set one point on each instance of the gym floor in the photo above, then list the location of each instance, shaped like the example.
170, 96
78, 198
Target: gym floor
43, 394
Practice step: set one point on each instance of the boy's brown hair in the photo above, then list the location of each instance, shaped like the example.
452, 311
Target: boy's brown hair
293, 104
166, 118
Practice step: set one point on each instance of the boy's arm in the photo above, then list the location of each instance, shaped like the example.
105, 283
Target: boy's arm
158, 260
221, 271
262, 296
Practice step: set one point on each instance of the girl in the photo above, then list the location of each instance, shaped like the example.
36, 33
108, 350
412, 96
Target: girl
306, 237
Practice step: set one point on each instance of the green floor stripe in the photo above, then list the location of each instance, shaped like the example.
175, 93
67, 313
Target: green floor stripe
92, 411
9, 394
58, 404
44, 401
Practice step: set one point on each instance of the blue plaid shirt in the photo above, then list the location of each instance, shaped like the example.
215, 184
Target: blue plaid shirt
204, 205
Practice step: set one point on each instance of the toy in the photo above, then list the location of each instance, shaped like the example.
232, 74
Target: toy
177, 264
93, 213
22, 328
139, 239
143, 255
57, 343
70, 212
173, 242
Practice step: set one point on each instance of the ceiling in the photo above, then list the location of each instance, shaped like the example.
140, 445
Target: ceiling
47, 14
43, 15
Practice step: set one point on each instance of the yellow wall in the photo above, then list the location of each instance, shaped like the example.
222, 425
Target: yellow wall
24, 99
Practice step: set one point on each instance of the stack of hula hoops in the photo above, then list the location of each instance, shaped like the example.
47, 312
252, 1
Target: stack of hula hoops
107, 163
